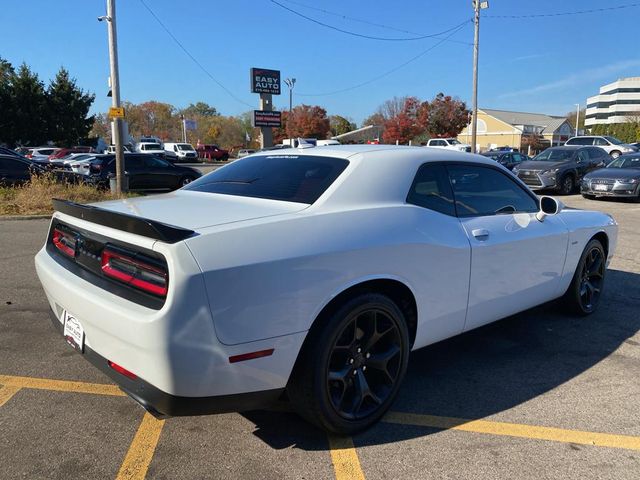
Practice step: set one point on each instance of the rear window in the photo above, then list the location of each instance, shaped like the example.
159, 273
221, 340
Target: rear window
291, 178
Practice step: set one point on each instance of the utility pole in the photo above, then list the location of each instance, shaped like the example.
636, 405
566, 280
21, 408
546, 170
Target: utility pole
290, 83
121, 183
577, 119
477, 6
184, 129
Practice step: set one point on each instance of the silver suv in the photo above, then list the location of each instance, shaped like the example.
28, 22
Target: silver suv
611, 145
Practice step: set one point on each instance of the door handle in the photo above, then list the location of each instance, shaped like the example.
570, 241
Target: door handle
480, 233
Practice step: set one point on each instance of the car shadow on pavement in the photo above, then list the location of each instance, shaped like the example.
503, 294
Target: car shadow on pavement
491, 369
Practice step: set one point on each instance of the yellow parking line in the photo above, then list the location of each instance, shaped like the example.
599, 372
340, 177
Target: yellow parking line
345, 458
140, 453
6, 392
516, 430
60, 385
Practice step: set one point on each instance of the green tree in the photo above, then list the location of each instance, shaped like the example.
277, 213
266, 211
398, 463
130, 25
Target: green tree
200, 109
6, 102
340, 125
30, 119
67, 110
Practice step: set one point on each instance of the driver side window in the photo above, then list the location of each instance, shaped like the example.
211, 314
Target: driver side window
480, 191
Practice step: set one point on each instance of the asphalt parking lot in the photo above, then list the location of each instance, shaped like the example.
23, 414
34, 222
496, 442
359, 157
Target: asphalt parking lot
537, 396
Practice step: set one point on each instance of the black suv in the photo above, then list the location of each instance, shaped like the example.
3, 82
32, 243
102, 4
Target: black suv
560, 168
145, 172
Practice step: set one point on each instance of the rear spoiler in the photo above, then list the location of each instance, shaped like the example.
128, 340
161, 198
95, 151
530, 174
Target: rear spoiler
122, 221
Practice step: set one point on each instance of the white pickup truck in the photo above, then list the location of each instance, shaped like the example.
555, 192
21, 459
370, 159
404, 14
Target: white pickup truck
449, 144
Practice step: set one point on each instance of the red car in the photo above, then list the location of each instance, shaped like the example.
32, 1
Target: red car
212, 153
63, 152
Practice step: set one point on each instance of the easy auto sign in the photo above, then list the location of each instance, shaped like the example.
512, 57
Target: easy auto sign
265, 81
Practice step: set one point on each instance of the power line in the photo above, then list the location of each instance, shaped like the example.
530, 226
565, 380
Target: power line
360, 35
561, 14
394, 69
182, 47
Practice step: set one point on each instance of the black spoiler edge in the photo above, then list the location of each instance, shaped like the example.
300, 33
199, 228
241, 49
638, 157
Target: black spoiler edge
122, 221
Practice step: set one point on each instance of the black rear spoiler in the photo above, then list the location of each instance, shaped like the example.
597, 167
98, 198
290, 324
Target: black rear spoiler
122, 221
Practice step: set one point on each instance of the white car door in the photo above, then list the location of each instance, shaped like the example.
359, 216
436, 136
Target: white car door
516, 260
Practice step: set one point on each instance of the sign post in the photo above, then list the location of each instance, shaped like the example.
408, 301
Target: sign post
267, 83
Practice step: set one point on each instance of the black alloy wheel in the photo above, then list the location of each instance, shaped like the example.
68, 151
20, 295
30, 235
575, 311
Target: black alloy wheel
585, 291
566, 186
364, 363
186, 181
352, 364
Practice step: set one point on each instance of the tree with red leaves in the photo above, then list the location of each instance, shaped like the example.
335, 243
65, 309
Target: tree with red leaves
308, 121
404, 125
447, 116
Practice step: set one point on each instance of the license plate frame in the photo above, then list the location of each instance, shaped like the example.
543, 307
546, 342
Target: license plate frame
73, 331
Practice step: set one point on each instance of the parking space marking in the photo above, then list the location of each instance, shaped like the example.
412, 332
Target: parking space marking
344, 457
7, 392
516, 430
60, 385
138, 458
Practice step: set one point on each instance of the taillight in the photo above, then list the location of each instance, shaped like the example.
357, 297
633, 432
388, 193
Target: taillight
64, 242
121, 370
135, 272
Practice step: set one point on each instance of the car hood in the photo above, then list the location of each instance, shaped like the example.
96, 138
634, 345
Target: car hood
194, 210
533, 165
614, 173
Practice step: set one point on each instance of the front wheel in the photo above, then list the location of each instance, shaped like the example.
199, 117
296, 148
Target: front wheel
186, 180
615, 154
351, 366
566, 185
584, 293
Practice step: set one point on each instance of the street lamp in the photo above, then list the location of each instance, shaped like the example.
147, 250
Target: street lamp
290, 83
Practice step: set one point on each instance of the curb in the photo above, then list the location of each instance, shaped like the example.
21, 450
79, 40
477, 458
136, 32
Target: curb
24, 217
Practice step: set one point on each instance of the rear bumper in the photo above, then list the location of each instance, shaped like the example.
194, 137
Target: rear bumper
162, 404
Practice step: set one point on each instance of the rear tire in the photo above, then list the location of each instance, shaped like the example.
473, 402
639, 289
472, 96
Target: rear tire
351, 365
615, 154
584, 293
186, 181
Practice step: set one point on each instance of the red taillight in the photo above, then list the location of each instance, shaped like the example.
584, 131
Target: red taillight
28, 155
64, 242
134, 272
122, 370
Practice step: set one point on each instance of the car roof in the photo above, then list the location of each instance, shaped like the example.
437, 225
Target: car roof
570, 147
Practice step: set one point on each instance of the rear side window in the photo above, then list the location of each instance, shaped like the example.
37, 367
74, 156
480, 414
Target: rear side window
431, 189
290, 178
580, 141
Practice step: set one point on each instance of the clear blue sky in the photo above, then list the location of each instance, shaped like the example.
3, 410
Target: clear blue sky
541, 65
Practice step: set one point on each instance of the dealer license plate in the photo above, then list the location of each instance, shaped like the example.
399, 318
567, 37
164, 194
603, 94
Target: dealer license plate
73, 331
600, 187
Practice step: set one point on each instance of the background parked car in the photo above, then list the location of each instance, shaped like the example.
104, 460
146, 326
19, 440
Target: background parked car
180, 152
112, 149
153, 148
15, 170
41, 153
621, 178
145, 172
611, 145
560, 168
243, 152
63, 152
449, 144
212, 152
506, 158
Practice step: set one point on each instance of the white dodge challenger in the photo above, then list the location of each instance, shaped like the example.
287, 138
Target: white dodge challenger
310, 273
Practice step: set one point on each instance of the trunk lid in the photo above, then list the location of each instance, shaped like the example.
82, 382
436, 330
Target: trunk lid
193, 210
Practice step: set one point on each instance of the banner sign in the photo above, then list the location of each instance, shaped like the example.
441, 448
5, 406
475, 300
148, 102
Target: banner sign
265, 81
262, 118
190, 125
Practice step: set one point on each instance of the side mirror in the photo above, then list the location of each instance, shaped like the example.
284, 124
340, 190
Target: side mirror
548, 206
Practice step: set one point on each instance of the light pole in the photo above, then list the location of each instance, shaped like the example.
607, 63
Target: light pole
290, 83
477, 6
577, 119
110, 18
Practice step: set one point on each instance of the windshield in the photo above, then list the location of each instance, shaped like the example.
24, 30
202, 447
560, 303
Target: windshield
633, 162
151, 146
453, 141
185, 146
551, 155
290, 178
614, 140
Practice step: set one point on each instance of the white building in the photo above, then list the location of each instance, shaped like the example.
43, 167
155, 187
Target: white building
617, 102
